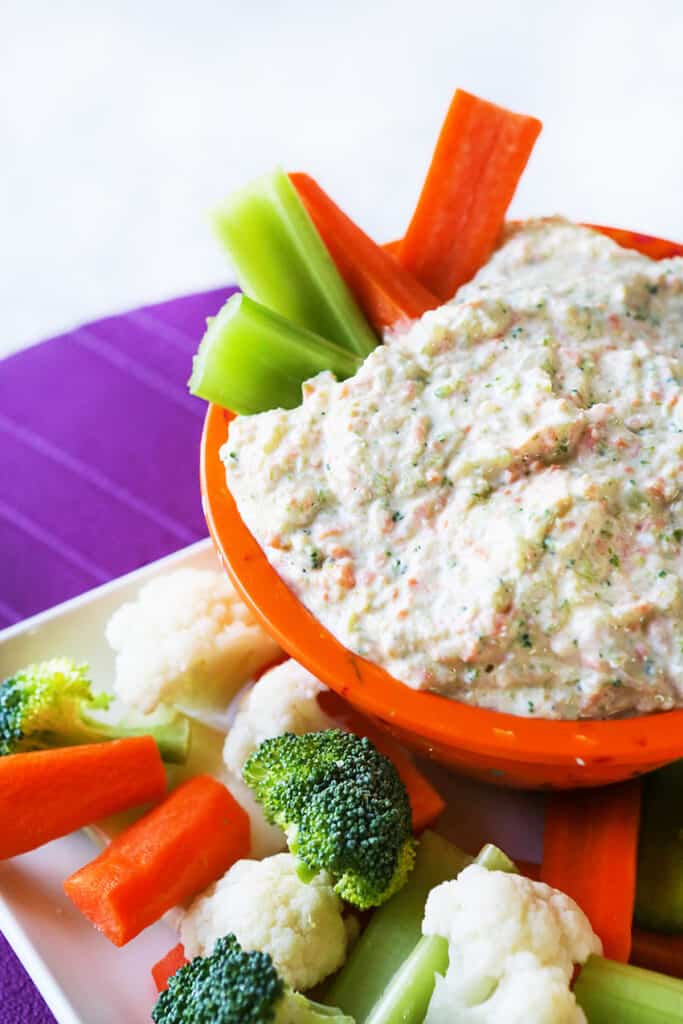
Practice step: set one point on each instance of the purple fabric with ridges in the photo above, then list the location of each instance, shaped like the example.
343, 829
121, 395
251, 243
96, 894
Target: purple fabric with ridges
99, 443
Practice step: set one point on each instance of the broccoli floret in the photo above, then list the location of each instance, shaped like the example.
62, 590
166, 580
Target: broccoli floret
235, 987
343, 806
46, 705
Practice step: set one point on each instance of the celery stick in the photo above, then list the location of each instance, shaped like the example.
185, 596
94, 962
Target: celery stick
282, 262
659, 892
251, 359
493, 859
394, 930
407, 996
613, 993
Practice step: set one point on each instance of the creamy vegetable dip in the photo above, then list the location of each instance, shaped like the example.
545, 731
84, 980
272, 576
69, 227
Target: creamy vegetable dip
491, 507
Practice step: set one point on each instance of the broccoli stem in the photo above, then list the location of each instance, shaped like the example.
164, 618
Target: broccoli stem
251, 359
282, 262
172, 736
407, 995
394, 930
659, 892
610, 992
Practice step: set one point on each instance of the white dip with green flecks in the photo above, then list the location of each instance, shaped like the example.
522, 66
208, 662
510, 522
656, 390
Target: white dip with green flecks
491, 508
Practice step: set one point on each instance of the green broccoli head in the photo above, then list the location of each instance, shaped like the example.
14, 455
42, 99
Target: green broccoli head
44, 701
234, 987
343, 806
47, 705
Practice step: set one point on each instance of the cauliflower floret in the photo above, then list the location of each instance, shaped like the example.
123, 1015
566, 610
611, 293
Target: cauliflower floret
187, 639
526, 992
283, 700
268, 908
513, 944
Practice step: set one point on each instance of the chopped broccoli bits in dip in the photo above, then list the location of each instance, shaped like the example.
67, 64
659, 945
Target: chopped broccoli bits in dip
490, 508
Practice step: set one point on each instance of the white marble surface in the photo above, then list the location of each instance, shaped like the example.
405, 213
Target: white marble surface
123, 123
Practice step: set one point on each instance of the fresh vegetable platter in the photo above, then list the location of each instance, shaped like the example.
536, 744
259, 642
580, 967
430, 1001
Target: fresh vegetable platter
370, 916
77, 970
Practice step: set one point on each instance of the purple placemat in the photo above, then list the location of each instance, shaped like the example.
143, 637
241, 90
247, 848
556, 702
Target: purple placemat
99, 443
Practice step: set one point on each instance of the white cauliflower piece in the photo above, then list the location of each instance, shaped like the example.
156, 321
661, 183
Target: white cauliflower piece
513, 944
283, 700
268, 908
526, 992
188, 640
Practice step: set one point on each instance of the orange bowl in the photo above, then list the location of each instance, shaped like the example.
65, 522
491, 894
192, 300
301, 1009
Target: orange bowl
497, 747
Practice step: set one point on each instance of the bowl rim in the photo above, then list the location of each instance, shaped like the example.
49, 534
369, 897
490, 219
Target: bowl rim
436, 719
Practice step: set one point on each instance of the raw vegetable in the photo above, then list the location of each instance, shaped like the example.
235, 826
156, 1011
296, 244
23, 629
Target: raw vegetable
187, 640
252, 359
406, 998
479, 158
164, 859
343, 807
659, 951
590, 850
614, 993
659, 894
47, 704
46, 794
425, 802
386, 292
408, 992
282, 262
165, 968
232, 986
266, 906
512, 949
393, 930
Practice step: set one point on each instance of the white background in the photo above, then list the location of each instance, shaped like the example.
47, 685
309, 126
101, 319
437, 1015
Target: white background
123, 123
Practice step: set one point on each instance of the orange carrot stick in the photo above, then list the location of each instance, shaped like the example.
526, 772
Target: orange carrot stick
425, 802
46, 794
386, 291
393, 248
168, 965
590, 849
164, 859
658, 952
479, 158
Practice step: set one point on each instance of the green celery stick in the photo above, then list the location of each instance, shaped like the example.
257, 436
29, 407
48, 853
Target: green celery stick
407, 996
493, 859
613, 993
281, 261
394, 930
659, 892
251, 359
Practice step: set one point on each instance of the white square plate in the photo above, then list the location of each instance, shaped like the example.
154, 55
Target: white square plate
82, 977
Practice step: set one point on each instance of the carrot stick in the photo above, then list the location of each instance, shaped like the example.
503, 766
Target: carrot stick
165, 858
393, 248
386, 292
590, 849
425, 802
168, 965
46, 794
658, 952
479, 158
